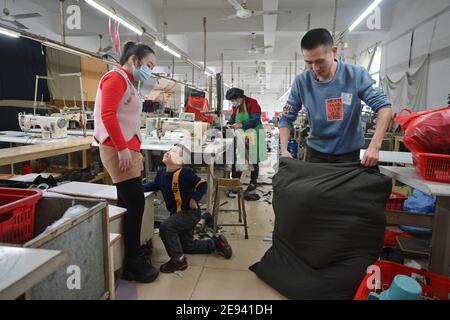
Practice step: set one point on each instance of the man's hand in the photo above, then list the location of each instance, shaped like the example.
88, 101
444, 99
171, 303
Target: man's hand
237, 125
371, 157
286, 154
193, 204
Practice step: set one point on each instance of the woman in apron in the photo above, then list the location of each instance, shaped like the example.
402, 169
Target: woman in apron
246, 120
117, 116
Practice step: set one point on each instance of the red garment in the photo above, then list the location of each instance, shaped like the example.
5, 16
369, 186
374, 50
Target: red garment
113, 88
252, 107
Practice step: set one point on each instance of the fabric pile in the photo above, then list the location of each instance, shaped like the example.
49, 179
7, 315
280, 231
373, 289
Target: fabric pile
329, 227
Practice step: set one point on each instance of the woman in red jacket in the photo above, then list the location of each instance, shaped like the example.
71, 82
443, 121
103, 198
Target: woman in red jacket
117, 129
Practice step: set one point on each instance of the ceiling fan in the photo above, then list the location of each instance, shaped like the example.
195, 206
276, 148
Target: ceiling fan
243, 12
253, 48
13, 18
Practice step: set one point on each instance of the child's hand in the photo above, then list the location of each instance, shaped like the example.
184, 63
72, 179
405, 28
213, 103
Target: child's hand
193, 204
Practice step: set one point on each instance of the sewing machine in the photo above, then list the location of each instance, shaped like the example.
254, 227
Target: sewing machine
51, 127
74, 117
187, 116
165, 126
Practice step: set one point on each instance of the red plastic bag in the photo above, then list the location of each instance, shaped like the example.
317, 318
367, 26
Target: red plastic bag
426, 131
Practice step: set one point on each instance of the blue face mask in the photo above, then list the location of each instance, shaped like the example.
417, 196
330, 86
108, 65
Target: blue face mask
142, 74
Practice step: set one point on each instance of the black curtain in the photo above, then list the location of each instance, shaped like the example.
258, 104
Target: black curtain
21, 60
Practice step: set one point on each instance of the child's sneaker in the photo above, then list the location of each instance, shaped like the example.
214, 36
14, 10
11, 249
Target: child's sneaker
223, 246
172, 266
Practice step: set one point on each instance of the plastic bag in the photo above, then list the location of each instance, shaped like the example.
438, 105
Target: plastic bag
419, 202
426, 131
71, 213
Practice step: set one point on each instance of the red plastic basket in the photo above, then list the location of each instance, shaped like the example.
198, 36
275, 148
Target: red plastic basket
391, 236
396, 201
434, 286
17, 211
433, 167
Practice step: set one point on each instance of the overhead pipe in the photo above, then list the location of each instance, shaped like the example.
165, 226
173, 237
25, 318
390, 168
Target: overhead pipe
232, 74
308, 24
239, 76
62, 20
165, 24
290, 72
173, 67
335, 18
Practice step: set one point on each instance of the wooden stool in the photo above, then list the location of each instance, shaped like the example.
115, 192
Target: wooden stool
234, 185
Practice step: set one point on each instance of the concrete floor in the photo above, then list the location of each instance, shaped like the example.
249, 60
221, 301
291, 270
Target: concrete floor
212, 277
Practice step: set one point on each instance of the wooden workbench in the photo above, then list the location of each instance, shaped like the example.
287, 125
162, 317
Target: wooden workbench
22, 268
40, 151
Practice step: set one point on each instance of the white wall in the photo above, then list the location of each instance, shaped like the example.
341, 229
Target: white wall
269, 103
396, 47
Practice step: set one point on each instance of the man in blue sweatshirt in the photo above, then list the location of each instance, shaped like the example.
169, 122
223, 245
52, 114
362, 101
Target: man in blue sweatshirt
331, 91
182, 190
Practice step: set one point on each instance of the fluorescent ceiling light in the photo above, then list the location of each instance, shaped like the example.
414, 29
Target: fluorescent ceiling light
226, 85
284, 95
114, 16
209, 74
8, 33
364, 15
161, 45
173, 52
65, 49
167, 49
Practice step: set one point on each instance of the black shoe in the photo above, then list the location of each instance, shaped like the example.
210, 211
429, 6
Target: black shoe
172, 266
147, 250
140, 270
223, 246
251, 187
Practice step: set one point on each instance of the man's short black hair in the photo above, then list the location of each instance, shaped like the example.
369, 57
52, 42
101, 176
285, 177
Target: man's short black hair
235, 93
316, 38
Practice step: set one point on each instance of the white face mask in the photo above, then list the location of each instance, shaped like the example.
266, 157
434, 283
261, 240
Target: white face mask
236, 104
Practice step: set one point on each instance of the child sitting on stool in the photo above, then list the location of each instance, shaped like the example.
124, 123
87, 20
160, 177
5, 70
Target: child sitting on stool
182, 190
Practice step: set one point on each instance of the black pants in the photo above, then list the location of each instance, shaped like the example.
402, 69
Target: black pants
315, 156
131, 197
177, 234
253, 175
238, 174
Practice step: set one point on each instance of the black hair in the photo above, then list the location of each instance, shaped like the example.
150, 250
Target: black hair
316, 38
130, 48
235, 93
